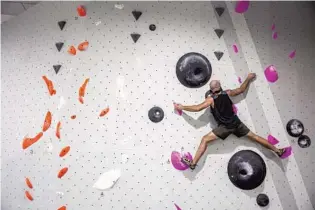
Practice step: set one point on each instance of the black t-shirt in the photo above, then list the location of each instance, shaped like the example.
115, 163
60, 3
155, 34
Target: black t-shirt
223, 110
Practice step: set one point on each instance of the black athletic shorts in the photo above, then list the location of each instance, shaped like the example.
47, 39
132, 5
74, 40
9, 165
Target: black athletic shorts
222, 131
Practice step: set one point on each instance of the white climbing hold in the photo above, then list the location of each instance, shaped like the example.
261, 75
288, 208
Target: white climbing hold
124, 158
61, 102
107, 180
119, 6
98, 22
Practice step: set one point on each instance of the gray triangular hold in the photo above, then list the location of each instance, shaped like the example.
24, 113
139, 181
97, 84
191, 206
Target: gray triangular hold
219, 10
61, 24
135, 37
136, 14
57, 68
59, 45
219, 32
218, 54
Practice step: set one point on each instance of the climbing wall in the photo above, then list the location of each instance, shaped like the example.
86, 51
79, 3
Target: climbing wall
293, 92
129, 78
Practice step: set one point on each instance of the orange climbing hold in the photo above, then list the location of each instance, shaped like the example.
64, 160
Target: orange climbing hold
81, 100
58, 130
47, 122
83, 46
62, 172
28, 183
50, 85
28, 195
27, 142
104, 112
63, 208
81, 11
72, 50
73, 117
64, 151
83, 87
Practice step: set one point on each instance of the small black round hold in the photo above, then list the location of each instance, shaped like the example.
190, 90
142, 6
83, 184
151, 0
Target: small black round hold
246, 169
295, 128
304, 141
156, 114
152, 27
193, 70
262, 200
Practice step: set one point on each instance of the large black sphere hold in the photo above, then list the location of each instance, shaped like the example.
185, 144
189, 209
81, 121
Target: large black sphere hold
246, 169
152, 27
295, 128
193, 70
304, 141
156, 114
262, 200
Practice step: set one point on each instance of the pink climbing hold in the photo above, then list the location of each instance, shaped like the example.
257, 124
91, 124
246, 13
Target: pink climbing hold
177, 207
176, 159
177, 111
239, 80
272, 140
273, 27
234, 109
287, 153
235, 48
271, 74
241, 6
292, 54
275, 35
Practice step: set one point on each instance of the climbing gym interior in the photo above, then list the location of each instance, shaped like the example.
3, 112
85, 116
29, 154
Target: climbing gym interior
95, 95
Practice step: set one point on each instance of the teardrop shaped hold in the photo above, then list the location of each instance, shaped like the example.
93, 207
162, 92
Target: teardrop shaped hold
219, 11
57, 68
62, 24
136, 14
218, 54
59, 45
135, 37
219, 32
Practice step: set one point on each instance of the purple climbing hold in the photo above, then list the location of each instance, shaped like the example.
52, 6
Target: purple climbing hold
177, 207
273, 27
176, 159
287, 153
235, 48
235, 109
271, 74
239, 79
241, 6
275, 35
272, 140
292, 54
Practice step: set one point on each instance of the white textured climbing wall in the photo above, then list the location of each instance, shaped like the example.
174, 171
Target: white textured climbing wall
129, 78
293, 92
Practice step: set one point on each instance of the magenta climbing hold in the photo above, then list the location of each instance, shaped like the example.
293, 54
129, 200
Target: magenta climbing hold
272, 140
271, 74
287, 153
235, 110
275, 35
235, 48
241, 6
177, 207
177, 111
292, 54
273, 27
239, 79
176, 159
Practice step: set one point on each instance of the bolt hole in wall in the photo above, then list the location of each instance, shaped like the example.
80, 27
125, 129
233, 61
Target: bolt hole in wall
122, 70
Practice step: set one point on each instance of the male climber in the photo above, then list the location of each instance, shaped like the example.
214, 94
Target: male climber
228, 122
